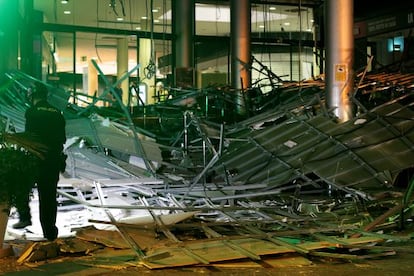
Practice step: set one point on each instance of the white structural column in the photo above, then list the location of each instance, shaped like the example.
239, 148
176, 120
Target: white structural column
145, 76
92, 81
339, 57
122, 66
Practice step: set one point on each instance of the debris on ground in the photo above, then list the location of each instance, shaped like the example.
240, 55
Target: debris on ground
203, 185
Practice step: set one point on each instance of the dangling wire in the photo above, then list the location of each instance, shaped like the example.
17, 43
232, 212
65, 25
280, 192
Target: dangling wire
130, 15
112, 4
218, 15
149, 70
300, 43
122, 7
269, 19
300, 50
166, 45
96, 34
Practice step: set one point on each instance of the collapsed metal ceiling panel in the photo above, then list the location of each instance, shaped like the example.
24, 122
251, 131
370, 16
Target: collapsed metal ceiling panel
110, 135
89, 137
290, 145
367, 152
293, 139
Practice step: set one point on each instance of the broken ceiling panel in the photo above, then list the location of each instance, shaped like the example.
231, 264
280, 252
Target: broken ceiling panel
106, 134
367, 152
85, 163
221, 190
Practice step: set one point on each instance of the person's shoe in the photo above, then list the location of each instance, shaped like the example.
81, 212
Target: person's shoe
51, 239
22, 224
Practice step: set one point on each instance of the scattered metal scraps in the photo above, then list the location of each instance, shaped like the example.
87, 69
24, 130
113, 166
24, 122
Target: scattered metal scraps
201, 184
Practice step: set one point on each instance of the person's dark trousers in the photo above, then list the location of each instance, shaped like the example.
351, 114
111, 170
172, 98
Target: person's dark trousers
23, 208
47, 186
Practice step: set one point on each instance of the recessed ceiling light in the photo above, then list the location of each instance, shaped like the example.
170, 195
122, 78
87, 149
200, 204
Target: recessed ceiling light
272, 8
144, 17
67, 12
210, 13
137, 28
120, 19
64, 1
155, 10
156, 21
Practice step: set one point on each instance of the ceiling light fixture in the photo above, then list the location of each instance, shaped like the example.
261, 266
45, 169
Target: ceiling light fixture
64, 1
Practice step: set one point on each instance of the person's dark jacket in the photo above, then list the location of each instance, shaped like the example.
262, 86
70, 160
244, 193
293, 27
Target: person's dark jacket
47, 125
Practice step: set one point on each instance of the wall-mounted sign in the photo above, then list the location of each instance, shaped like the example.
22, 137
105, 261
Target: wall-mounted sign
340, 72
384, 24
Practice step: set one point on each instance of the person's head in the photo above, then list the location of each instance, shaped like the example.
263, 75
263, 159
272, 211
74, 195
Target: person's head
39, 92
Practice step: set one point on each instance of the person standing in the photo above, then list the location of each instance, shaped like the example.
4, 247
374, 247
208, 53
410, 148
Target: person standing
46, 125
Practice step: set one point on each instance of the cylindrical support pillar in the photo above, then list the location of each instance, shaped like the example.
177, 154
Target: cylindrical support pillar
9, 21
339, 57
183, 26
122, 67
240, 28
93, 80
240, 43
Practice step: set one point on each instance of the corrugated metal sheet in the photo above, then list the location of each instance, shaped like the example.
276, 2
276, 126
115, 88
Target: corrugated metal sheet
365, 153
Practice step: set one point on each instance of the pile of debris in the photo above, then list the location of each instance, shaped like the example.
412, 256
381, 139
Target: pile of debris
194, 188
